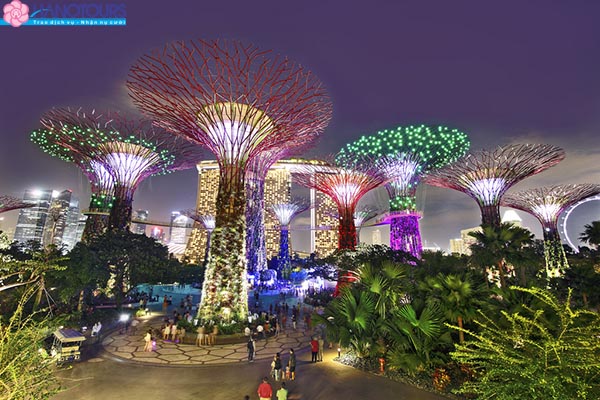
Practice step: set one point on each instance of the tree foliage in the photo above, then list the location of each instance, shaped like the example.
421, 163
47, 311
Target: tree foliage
550, 351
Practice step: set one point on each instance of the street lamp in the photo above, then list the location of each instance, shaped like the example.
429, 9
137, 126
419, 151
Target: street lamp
124, 318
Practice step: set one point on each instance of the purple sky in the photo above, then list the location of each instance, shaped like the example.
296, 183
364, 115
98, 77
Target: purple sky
503, 72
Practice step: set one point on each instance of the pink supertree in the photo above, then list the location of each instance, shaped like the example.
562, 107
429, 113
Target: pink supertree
546, 204
8, 203
116, 153
239, 102
345, 187
487, 175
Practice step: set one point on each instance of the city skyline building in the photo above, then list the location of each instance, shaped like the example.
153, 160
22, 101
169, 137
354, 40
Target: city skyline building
32, 220
178, 228
140, 215
53, 218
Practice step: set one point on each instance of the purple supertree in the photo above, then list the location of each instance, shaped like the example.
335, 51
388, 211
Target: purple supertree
208, 222
404, 154
487, 175
128, 150
239, 102
8, 203
285, 213
546, 204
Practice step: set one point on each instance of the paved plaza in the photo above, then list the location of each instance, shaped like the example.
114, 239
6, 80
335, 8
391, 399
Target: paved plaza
131, 347
117, 368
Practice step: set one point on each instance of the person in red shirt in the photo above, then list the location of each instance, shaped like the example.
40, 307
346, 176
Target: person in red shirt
314, 349
265, 391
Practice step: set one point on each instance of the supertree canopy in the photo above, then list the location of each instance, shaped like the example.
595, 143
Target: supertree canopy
362, 214
115, 153
546, 204
285, 213
404, 154
208, 222
239, 102
8, 203
487, 175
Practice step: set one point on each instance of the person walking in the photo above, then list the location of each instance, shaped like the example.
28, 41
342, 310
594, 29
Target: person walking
282, 393
251, 349
265, 391
314, 349
148, 341
277, 367
292, 364
321, 345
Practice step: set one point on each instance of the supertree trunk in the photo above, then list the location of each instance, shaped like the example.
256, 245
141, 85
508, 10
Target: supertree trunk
120, 214
285, 262
207, 250
405, 234
554, 253
96, 224
347, 230
256, 250
490, 215
224, 292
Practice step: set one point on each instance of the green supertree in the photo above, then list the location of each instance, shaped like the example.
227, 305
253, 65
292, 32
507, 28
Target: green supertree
406, 153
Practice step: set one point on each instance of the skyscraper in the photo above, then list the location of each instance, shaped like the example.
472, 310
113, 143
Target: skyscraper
46, 221
178, 228
32, 220
139, 215
73, 230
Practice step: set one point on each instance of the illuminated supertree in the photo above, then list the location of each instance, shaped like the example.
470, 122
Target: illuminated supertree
128, 151
208, 222
404, 154
8, 203
360, 216
285, 213
239, 102
487, 175
56, 141
345, 187
546, 204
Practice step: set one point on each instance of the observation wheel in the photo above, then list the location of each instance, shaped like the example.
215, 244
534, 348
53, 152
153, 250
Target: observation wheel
562, 221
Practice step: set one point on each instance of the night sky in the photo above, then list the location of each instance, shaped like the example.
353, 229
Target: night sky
503, 72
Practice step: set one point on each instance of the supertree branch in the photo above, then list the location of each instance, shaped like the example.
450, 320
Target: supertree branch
345, 187
208, 222
546, 204
285, 213
238, 102
116, 153
488, 174
404, 154
8, 203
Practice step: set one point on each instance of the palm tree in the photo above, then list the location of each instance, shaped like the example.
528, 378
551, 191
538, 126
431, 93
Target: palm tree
416, 332
591, 234
501, 246
386, 281
457, 297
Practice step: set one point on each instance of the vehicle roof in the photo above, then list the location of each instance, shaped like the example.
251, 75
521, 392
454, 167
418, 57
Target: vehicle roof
69, 335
